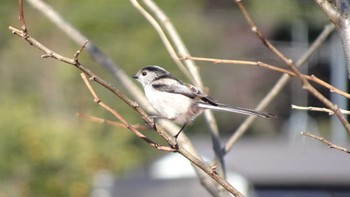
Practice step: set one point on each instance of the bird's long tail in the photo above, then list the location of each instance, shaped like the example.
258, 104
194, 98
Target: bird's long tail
238, 110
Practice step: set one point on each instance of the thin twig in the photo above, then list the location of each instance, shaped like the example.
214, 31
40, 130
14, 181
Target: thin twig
112, 123
274, 68
319, 109
76, 55
323, 140
306, 85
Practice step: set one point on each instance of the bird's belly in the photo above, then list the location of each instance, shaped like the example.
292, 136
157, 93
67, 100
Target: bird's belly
171, 106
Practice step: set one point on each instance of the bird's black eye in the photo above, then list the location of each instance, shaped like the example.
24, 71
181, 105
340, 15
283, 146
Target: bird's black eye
144, 73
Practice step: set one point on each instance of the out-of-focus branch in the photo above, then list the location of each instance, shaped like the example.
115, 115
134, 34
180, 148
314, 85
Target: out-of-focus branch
274, 68
177, 43
306, 85
163, 37
330, 144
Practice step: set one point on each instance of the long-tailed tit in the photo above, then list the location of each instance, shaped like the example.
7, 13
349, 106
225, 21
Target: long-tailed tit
178, 101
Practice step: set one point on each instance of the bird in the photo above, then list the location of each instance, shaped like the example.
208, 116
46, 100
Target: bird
178, 101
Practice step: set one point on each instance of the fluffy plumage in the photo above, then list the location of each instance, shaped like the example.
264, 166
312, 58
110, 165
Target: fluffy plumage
178, 101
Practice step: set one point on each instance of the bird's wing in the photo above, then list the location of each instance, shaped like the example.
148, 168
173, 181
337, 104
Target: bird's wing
178, 87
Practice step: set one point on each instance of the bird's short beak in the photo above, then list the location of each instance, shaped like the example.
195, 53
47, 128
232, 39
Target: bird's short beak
135, 76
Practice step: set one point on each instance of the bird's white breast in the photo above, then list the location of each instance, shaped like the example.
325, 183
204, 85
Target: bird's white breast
170, 105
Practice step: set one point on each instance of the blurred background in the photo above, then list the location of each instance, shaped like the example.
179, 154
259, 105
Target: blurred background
46, 150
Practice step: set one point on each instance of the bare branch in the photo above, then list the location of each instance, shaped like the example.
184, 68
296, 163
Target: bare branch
319, 109
306, 85
321, 139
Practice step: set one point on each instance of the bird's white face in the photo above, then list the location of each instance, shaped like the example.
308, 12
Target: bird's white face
147, 74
